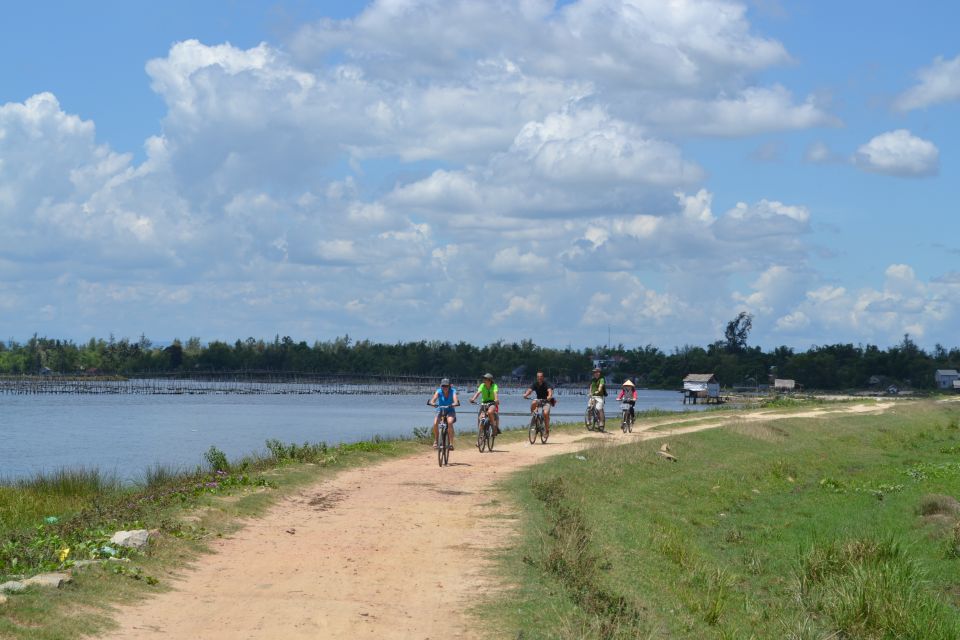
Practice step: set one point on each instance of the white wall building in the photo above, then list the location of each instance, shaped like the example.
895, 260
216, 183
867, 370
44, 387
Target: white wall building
945, 378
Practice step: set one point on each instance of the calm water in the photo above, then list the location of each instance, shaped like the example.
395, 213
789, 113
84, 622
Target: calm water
125, 434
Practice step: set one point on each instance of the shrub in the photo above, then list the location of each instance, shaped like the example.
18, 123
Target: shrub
299, 453
216, 459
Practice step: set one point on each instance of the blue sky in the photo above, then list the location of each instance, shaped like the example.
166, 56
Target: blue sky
464, 170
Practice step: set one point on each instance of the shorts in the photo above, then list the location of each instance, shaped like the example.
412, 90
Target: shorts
450, 412
596, 401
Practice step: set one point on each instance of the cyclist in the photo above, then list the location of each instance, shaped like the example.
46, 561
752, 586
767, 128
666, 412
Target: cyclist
628, 394
544, 391
488, 391
445, 396
598, 391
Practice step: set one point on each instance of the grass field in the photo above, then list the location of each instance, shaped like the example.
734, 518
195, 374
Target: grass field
845, 526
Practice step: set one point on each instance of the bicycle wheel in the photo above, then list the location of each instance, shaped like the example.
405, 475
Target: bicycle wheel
481, 435
597, 425
588, 419
441, 444
491, 436
630, 425
543, 431
625, 421
532, 431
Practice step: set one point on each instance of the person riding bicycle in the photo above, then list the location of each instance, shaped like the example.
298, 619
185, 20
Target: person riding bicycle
489, 392
444, 397
544, 391
598, 391
628, 394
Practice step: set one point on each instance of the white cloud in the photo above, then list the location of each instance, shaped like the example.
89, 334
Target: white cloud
423, 155
792, 322
632, 43
570, 164
585, 145
511, 261
899, 153
902, 304
751, 111
775, 288
938, 83
762, 219
529, 306
819, 153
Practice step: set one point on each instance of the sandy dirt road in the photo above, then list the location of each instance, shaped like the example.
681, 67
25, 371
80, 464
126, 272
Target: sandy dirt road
394, 550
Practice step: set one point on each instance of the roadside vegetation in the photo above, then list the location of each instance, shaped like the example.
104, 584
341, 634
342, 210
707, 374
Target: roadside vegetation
845, 526
60, 520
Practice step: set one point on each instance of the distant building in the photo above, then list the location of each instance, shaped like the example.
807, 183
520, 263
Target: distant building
956, 385
785, 385
701, 385
605, 362
518, 374
945, 378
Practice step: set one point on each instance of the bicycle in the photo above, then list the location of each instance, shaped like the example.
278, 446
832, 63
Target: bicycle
443, 435
485, 434
592, 418
626, 421
537, 424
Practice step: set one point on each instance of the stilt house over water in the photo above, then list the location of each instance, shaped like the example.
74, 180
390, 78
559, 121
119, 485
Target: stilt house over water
701, 386
786, 385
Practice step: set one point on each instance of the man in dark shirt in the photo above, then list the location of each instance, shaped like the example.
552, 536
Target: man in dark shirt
544, 391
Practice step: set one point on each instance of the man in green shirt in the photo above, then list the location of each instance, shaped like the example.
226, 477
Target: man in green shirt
598, 390
489, 392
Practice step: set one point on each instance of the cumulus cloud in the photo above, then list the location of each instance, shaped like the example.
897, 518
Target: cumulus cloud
899, 153
684, 65
572, 163
633, 43
763, 219
422, 155
585, 145
751, 111
938, 83
775, 288
819, 153
901, 304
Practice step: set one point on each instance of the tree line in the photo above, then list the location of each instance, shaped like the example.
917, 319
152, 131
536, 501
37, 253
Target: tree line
827, 367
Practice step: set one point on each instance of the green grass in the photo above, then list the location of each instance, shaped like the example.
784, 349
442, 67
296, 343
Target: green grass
835, 527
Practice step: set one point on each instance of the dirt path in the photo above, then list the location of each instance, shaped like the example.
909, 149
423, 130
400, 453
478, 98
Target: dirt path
394, 550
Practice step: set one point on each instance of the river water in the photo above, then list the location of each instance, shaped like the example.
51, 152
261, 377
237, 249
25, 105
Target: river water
125, 434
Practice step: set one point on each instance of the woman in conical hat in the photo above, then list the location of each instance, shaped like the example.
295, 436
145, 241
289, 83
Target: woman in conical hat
628, 394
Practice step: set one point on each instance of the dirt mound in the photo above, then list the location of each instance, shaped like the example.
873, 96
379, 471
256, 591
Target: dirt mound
939, 504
